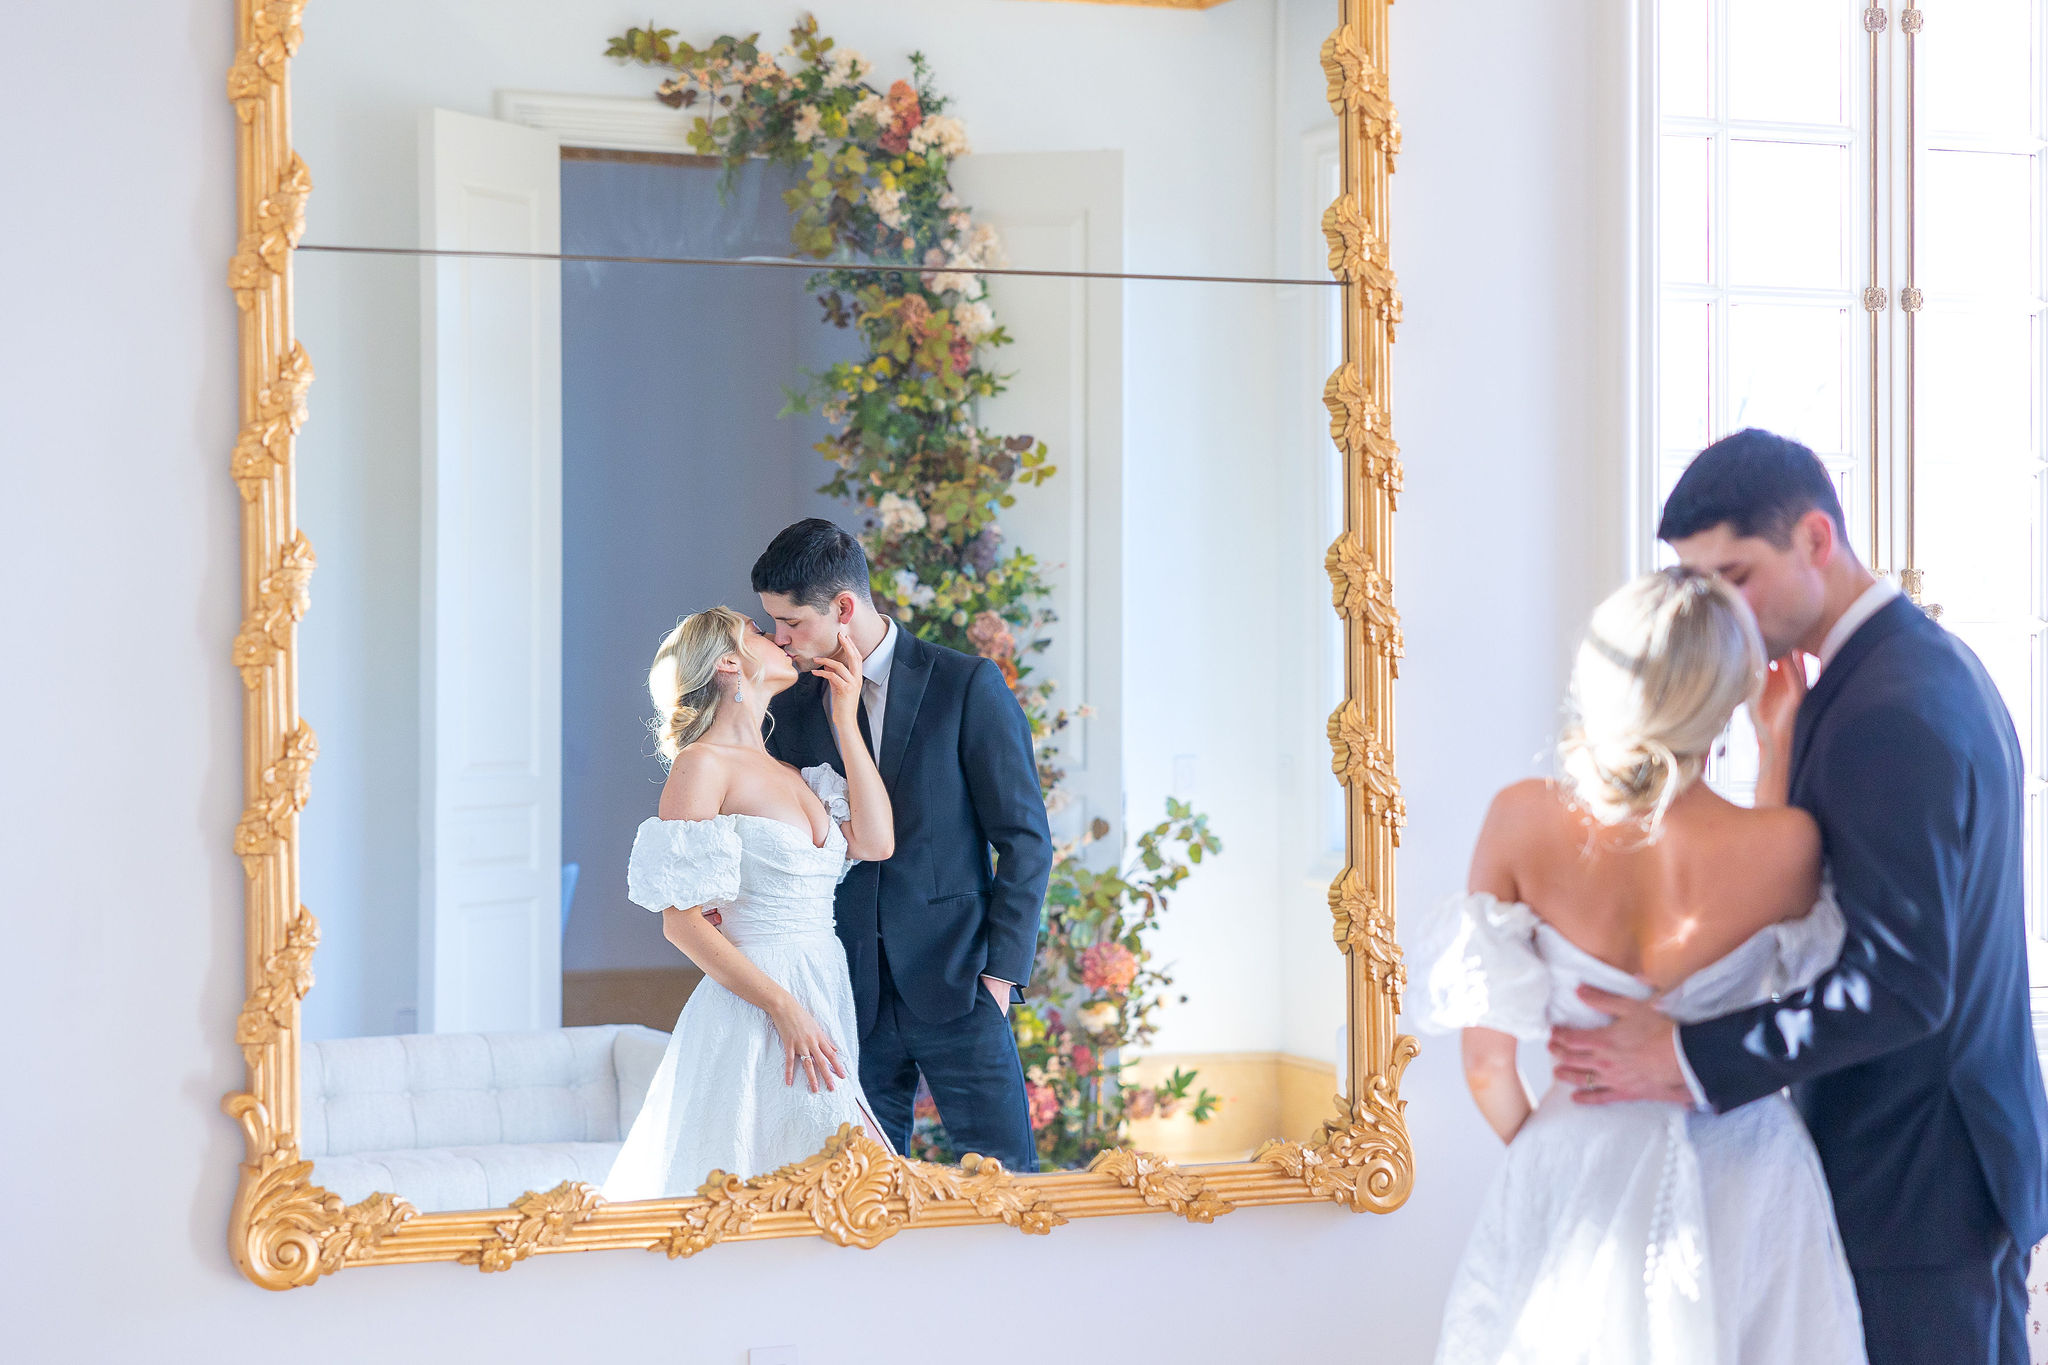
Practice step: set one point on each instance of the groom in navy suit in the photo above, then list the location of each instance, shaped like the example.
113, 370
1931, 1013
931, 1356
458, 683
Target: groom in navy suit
940, 938
1912, 1058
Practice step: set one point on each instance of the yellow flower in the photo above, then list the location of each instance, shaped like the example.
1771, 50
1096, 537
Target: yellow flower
881, 366
867, 386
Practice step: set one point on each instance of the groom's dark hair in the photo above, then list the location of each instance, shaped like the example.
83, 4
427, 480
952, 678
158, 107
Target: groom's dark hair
811, 563
1755, 483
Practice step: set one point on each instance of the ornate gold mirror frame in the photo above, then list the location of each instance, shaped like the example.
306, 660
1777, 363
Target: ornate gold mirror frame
285, 1230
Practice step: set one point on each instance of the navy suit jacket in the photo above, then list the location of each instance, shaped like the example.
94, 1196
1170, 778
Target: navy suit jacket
1912, 1058
958, 764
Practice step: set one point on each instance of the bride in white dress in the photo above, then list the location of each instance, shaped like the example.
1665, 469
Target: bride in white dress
763, 1066
1641, 1233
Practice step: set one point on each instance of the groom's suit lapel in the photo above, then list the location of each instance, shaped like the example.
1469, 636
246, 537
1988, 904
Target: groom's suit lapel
1892, 617
908, 673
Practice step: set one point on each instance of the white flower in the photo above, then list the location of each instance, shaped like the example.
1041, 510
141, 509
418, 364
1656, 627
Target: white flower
942, 131
806, 123
985, 246
955, 282
949, 200
1097, 1018
975, 320
899, 514
847, 67
888, 206
907, 590
871, 106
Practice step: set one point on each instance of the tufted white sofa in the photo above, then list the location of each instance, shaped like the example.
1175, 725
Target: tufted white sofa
472, 1120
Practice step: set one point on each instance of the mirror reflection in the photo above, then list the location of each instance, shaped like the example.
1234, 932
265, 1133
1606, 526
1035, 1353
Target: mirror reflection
1207, 108
1101, 915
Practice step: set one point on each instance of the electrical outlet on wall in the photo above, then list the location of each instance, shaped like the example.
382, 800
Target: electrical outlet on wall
772, 1355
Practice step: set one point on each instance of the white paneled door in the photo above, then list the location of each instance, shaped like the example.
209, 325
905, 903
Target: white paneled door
491, 561
1064, 211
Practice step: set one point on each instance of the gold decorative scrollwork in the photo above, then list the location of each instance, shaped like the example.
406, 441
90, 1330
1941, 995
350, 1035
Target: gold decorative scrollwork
281, 599
1874, 19
1361, 592
1874, 299
1359, 258
1368, 935
267, 247
1358, 91
1359, 425
287, 976
857, 1193
287, 1231
281, 794
273, 40
265, 444
1359, 758
1911, 299
1363, 1159
539, 1220
1162, 1184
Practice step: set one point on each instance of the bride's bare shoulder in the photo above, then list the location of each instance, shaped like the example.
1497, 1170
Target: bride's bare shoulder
696, 785
1769, 858
1523, 819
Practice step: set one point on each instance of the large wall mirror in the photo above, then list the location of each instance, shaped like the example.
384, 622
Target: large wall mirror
1079, 317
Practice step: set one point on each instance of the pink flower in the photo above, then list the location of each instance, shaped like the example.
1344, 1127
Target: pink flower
1143, 1104
1109, 967
1084, 1059
962, 351
1044, 1104
990, 635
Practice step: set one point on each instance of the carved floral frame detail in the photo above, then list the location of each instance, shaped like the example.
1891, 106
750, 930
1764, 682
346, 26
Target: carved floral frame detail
286, 1231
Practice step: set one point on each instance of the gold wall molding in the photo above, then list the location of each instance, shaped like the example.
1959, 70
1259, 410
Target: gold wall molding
286, 1231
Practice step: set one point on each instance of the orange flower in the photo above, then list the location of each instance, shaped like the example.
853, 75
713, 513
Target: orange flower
1108, 967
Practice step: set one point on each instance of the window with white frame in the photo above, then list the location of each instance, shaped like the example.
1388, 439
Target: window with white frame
1851, 249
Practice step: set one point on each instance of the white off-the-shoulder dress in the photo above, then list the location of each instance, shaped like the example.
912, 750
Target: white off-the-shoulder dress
1642, 1233
719, 1101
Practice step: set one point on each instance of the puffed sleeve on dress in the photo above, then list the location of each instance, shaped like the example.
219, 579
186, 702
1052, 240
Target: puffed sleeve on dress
1809, 945
830, 788
1474, 963
683, 863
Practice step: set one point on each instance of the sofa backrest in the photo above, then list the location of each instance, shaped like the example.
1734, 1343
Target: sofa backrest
473, 1089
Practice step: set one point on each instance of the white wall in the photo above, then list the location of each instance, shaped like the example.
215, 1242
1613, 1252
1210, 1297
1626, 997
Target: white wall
119, 549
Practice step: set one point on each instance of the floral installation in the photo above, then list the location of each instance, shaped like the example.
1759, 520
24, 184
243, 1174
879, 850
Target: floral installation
874, 188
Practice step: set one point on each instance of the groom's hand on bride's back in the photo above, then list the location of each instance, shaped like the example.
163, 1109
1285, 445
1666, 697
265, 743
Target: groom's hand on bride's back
1633, 1058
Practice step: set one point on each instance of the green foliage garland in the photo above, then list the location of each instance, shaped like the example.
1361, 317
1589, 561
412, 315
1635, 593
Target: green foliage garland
874, 189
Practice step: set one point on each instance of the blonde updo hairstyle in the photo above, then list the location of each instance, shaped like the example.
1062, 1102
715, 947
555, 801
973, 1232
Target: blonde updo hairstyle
683, 683
1665, 661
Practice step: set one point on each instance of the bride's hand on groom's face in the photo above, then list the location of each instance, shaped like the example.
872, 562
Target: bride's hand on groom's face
1777, 705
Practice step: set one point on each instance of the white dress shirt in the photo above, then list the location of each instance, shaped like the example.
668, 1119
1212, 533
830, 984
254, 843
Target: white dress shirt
1867, 604
874, 685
